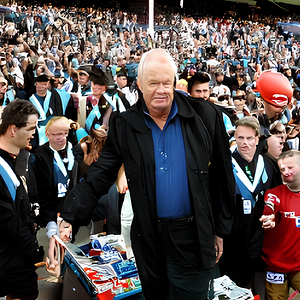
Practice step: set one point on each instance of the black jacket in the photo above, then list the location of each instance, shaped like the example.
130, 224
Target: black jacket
19, 250
243, 247
41, 169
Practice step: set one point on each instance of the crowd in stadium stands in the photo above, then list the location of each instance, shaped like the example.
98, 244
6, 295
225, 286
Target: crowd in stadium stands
79, 68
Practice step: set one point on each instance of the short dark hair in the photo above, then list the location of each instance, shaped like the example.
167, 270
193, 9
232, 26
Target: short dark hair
199, 77
16, 113
219, 73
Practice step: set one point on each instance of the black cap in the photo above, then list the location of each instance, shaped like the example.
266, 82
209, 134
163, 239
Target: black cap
42, 78
98, 76
121, 72
84, 68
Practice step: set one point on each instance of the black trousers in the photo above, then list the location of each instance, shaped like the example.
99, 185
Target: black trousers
186, 277
236, 263
19, 283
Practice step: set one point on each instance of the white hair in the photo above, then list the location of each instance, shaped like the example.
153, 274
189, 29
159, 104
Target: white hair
144, 56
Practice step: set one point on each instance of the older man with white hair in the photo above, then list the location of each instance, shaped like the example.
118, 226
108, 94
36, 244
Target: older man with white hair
177, 163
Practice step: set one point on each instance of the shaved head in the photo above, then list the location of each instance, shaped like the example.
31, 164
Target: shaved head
155, 55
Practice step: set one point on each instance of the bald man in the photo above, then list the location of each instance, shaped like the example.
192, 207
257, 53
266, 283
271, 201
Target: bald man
169, 157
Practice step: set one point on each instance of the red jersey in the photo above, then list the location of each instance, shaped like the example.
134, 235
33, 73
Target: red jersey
281, 250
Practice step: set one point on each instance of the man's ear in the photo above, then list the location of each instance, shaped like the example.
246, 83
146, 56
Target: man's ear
138, 83
257, 140
12, 129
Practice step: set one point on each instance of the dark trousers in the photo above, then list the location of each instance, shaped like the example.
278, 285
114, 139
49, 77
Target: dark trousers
236, 263
186, 277
19, 283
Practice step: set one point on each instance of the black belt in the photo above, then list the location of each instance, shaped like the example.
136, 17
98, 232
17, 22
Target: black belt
186, 220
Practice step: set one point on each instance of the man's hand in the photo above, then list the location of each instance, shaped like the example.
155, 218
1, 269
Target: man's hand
267, 221
218, 247
122, 181
51, 262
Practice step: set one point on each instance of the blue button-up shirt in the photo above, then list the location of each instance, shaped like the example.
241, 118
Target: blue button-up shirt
172, 190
